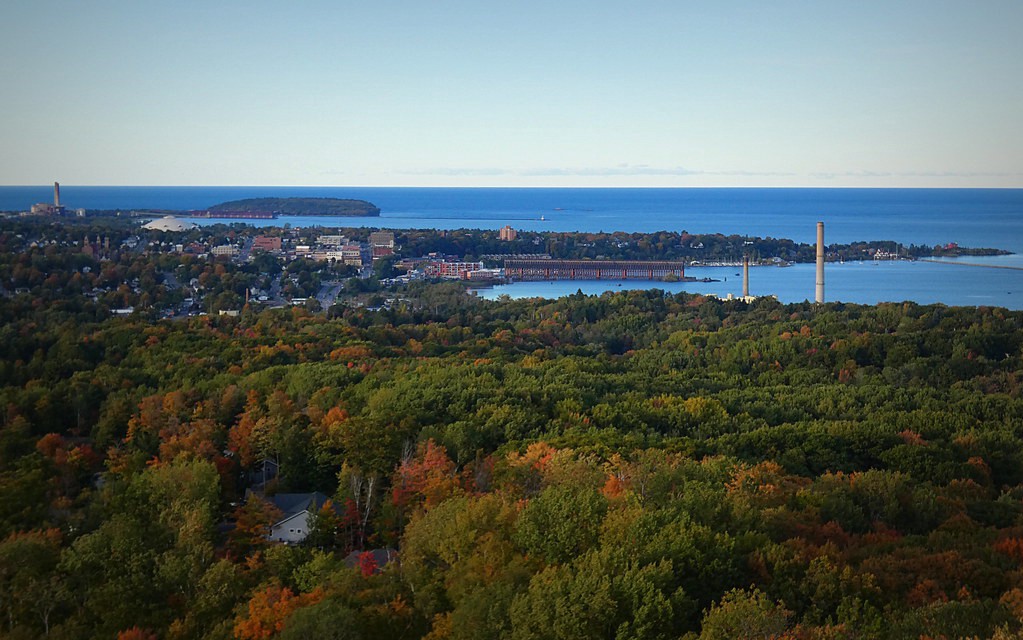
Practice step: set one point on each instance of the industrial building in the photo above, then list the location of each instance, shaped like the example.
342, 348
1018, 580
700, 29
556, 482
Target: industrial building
46, 209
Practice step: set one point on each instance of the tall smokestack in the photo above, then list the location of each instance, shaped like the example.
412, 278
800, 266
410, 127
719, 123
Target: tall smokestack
745, 276
56, 195
820, 263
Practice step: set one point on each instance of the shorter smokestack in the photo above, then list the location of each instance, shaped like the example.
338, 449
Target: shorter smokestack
56, 194
820, 263
745, 276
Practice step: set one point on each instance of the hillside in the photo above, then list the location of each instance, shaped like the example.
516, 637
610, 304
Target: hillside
300, 206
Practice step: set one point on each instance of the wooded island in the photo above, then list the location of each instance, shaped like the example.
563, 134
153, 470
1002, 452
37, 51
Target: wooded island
299, 207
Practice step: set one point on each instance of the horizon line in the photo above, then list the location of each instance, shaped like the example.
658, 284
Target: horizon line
49, 185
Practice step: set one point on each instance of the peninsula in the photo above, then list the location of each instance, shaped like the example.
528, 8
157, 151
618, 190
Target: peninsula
298, 207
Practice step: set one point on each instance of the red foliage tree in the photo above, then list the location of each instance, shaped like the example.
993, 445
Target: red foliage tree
427, 479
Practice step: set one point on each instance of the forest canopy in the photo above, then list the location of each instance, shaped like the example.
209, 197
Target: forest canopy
631, 465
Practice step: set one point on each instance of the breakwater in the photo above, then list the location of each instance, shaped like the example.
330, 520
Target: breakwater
972, 264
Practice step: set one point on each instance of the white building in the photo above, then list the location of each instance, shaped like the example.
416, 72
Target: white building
332, 241
225, 250
297, 508
170, 223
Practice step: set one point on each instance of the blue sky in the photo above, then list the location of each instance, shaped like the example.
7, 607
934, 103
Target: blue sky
525, 93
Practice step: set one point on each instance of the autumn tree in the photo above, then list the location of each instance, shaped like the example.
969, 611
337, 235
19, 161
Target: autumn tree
268, 611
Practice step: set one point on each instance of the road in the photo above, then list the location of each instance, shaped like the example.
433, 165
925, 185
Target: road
328, 294
243, 256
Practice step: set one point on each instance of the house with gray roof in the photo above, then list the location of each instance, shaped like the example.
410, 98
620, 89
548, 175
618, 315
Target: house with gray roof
297, 509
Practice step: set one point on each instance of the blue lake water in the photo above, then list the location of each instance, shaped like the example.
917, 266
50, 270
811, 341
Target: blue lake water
970, 217
860, 282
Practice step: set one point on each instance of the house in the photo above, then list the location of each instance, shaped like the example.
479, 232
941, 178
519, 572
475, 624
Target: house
371, 561
265, 472
293, 527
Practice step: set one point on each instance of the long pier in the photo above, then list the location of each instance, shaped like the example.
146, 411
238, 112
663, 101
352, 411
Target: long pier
971, 264
240, 215
540, 269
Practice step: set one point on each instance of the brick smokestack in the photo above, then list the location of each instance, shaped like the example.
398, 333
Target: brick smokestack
56, 195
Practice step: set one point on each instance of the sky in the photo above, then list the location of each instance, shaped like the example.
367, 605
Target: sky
911, 93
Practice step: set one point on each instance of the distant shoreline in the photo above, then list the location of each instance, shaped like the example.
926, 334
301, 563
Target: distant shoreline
972, 217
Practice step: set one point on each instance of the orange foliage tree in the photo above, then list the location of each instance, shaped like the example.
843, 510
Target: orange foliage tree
269, 609
136, 633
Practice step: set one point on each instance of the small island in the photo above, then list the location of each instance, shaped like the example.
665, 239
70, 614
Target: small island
297, 207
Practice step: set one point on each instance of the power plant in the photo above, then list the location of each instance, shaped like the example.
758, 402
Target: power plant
819, 298
55, 209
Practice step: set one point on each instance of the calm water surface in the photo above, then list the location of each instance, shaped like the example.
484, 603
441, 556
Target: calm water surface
860, 282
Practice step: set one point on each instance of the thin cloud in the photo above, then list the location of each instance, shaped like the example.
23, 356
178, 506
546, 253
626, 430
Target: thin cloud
458, 171
618, 170
748, 173
828, 175
914, 174
961, 174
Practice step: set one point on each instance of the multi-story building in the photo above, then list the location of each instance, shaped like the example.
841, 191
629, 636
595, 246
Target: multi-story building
457, 270
382, 252
270, 244
382, 239
352, 254
507, 233
229, 250
332, 241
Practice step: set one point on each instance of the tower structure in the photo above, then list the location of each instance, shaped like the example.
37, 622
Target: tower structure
745, 276
819, 297
56, 195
